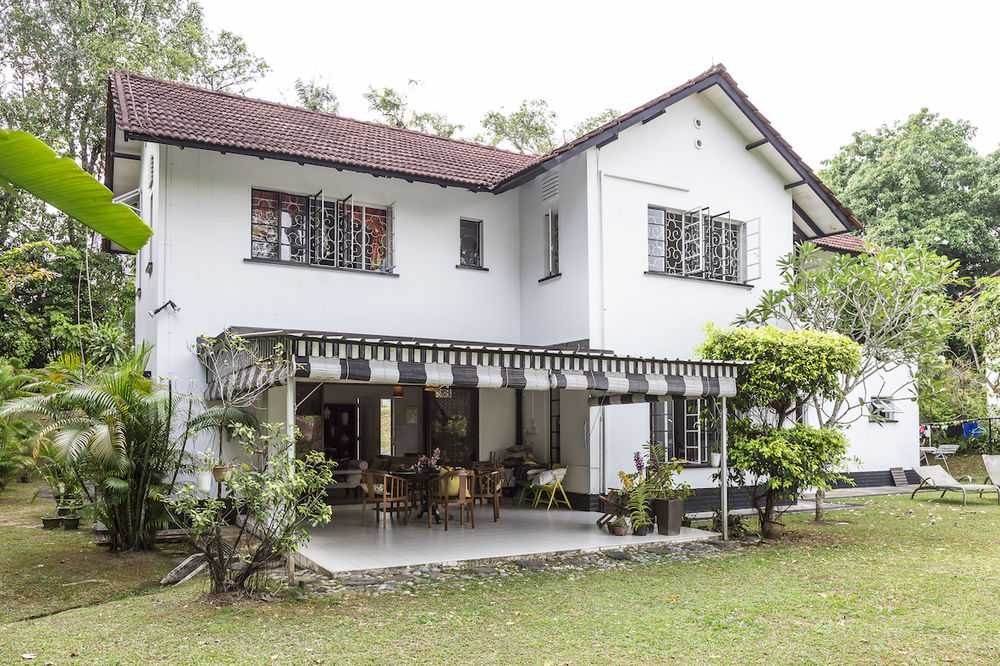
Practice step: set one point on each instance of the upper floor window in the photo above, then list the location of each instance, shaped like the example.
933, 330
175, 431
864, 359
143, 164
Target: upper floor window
686, 428
313, 230
698, 243
551, 242
470, 243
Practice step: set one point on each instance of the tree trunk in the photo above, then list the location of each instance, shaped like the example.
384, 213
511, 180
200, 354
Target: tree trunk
819, 504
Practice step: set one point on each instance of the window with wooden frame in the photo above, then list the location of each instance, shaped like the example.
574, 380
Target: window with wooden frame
315, 230
470, 237
698, 243
551, 242
686, 428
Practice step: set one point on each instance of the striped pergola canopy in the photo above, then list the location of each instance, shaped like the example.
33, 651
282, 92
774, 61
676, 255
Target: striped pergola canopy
608, 378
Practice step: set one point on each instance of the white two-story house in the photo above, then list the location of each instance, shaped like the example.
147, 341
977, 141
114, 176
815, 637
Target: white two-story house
436, 293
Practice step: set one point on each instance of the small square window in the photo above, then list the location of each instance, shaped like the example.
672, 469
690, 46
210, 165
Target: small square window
471, 243
883, 410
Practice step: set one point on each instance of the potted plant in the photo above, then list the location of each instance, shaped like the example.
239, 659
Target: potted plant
716, 454
203, 474
638, 506
668, 495
51, 522
618, 526
222, 472
71, 521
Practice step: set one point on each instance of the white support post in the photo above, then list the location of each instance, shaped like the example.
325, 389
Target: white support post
724, 473
290, 430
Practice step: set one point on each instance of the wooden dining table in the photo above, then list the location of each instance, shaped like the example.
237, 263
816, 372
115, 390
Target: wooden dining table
420, 489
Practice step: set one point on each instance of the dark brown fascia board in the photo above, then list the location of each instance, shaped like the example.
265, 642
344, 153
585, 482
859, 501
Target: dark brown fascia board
608, 135
717, 78
813, 227
109, 141
779, 145
340, 166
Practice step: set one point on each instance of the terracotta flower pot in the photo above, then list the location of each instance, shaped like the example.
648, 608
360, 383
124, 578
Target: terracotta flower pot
619, 530
222, 473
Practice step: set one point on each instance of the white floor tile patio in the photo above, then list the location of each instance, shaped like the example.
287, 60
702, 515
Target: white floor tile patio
344, 545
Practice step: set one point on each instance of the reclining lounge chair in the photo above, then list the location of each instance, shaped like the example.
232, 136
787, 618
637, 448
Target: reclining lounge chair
935, 477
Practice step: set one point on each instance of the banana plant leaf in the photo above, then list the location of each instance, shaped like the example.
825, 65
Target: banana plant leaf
29, 164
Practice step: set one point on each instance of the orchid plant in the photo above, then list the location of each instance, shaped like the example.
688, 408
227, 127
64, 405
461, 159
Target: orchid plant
428, 463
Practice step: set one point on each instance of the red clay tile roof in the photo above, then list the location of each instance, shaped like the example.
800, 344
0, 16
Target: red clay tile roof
167, 111
841, 242
164, 110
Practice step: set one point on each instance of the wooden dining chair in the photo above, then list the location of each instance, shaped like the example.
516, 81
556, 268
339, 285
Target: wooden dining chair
489, 486
385, 491
453, 488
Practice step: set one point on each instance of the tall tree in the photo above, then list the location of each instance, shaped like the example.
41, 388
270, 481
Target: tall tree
394, 108
922, 182
54, 60
593, 122
530, 129
316, 96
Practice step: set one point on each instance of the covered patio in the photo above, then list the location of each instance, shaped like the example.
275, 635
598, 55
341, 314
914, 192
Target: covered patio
346, 545
377, 399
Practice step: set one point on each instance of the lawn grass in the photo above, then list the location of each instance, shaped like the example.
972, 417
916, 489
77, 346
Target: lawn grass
898, 581
967, 464
43, 571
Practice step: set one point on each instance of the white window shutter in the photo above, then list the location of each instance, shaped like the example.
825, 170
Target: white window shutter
694, 241
751, 250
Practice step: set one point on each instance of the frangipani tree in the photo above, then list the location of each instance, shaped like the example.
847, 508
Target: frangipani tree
892, 301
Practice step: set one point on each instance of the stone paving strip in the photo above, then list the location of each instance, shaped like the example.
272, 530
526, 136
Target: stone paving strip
417, 579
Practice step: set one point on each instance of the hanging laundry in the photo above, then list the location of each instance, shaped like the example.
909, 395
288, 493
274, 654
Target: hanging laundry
955, 431
973, 429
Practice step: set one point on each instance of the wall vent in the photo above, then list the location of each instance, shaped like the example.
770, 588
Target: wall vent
550, 186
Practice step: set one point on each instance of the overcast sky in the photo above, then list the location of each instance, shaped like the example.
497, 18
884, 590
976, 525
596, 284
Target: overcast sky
818, 71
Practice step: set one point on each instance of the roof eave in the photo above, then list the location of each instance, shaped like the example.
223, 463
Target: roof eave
302, 160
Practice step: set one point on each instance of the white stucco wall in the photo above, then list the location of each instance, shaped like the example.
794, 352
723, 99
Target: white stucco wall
201, 219
205, 234
554, 311
875, 446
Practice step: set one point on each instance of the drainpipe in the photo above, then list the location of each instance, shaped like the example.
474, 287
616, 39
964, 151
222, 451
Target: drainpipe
724, 473
600, 247
290, 431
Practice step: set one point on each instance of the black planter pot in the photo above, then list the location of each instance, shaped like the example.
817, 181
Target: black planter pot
669, 513
640, 530
51, 523
69, 523
62, 511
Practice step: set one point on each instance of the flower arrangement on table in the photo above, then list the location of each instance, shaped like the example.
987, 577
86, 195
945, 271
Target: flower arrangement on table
428, 463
